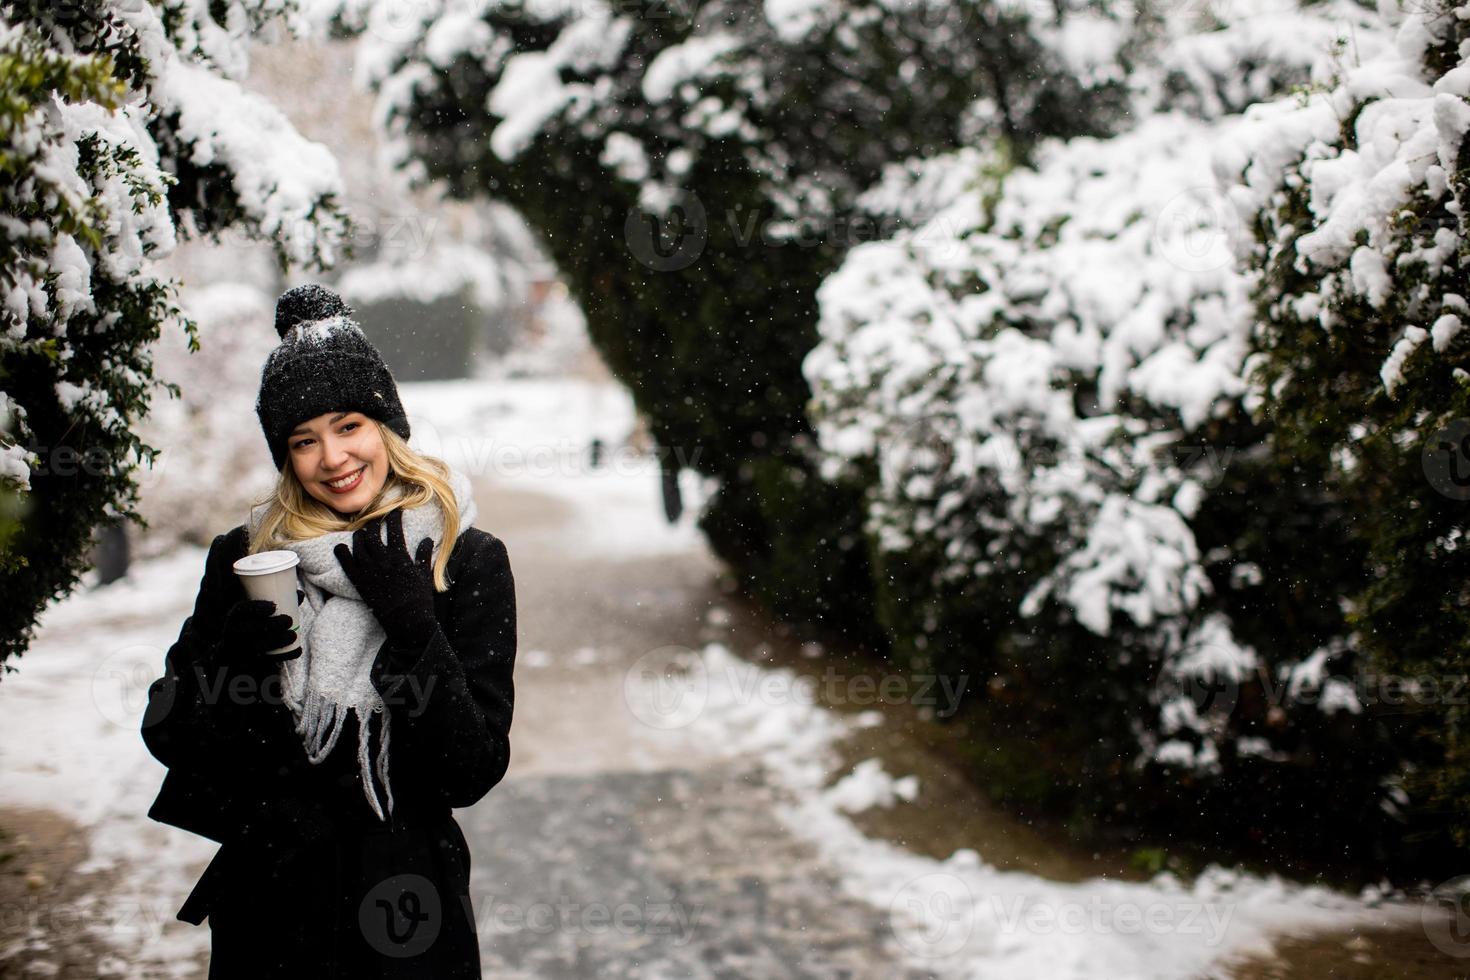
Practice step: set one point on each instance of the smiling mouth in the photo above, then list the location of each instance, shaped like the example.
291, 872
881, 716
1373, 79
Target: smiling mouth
351, 483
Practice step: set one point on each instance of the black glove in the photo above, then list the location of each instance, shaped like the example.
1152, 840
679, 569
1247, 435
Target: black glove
397, 588
252, 626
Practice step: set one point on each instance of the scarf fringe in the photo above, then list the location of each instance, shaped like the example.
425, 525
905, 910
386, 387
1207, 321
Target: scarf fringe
320, 723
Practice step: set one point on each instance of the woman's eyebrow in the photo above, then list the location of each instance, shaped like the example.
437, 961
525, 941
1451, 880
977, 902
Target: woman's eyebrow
303, 430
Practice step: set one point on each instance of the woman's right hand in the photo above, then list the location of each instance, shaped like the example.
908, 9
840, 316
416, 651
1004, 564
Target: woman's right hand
252, 627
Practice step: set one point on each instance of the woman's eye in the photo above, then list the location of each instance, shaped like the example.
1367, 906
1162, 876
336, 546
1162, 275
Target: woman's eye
346, 428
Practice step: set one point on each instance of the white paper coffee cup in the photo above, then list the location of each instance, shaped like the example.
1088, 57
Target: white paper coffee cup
272, 575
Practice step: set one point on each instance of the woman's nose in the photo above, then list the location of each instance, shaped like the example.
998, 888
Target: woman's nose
334, 454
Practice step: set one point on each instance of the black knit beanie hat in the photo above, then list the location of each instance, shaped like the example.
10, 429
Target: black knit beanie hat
324, 363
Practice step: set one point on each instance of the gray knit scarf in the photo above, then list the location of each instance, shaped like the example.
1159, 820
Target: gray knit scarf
340, 639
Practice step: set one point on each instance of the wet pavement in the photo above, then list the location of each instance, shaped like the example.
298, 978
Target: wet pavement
671, 873
605, 853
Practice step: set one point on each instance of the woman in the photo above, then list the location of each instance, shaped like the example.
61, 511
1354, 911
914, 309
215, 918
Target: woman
335, 863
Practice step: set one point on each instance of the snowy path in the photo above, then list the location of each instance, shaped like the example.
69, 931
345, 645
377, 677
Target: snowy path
654, 823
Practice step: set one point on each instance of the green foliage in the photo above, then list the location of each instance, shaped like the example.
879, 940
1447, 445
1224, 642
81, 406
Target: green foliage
1397, 551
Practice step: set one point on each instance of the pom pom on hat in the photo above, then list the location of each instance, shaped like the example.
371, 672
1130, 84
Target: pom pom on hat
306, 303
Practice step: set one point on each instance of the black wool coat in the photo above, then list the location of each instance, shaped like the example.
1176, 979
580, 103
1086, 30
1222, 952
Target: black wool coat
308, 882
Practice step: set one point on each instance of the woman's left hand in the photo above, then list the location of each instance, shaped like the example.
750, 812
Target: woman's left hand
397, 588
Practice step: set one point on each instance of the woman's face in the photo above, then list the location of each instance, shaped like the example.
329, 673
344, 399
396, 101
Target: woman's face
337, 446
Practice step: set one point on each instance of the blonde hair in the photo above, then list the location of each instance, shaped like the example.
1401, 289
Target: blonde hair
292, 514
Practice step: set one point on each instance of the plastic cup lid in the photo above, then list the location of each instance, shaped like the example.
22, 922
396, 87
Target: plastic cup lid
267, 562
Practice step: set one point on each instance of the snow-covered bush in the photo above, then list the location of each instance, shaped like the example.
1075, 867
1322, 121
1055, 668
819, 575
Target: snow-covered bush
122, 125
1041, 388
694, 169
1355, 200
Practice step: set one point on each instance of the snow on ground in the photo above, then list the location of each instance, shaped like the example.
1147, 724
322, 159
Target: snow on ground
70, 714
961, 917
